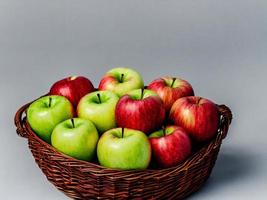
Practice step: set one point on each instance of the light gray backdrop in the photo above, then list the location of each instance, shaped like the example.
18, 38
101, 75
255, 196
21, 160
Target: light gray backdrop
219, 46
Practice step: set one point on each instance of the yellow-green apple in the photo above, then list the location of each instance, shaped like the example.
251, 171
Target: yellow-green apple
121, 80
170, 145
73, 88
198, 116
76, 137
46, 112
140, 109
99, 107
124, 149
170, 89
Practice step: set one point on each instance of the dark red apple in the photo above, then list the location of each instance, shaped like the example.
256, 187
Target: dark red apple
73, 88
141, 110
170, 89
198, 116
170, 146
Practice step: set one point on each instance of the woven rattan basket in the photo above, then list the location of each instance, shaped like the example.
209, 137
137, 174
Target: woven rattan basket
85, 180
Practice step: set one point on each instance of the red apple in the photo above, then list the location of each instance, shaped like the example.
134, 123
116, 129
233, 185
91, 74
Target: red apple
170, 89
73, 88
141, 110
170, 146
198, 116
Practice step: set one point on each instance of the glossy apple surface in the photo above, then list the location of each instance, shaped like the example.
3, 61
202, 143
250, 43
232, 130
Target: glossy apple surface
99, 107
141, 110
198, 116
76, 137
121, 80
45, 113
170, 146
73, 88
124, 150
170, 89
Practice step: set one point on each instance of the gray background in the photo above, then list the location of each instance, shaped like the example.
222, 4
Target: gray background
218, 46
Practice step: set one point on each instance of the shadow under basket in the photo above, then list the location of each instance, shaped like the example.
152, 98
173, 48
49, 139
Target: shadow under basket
86, 180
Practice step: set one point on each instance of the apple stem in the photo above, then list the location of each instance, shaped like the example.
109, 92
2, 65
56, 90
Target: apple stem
72, 121
198, 100
142, 93
99, 99
173, 80
164, 130
122, 132
50, 100
122, 75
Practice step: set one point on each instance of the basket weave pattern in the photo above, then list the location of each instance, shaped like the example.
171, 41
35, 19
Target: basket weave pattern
85, 180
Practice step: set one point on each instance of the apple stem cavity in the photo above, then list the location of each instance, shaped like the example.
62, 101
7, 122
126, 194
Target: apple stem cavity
50, 101
122, 132
142, 93
173, 80
72, 122
121, 80
99, 99
164, 130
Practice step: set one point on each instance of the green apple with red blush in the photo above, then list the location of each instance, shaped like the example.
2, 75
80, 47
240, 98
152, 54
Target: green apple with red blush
121, 80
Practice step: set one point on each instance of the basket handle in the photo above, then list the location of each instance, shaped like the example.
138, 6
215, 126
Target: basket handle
226, 119
20, 121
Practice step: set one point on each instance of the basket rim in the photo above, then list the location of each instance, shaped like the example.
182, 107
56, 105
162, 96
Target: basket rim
190, 161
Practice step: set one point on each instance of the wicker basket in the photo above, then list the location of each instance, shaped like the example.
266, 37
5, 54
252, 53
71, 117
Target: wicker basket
85, 180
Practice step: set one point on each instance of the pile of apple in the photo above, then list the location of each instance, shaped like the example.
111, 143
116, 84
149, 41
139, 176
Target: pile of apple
122, 124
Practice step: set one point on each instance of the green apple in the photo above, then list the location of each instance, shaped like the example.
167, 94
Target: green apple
121, 80
124, 149
45, 113
76, 137
99, 107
